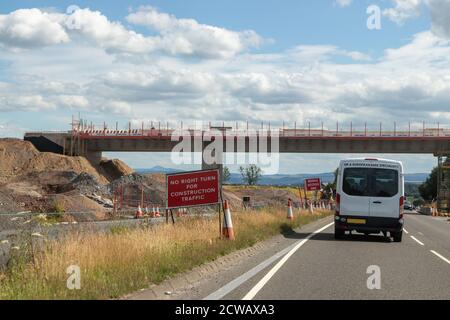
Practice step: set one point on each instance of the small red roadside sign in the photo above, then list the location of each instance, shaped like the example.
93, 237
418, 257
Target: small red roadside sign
312, 184
191, 189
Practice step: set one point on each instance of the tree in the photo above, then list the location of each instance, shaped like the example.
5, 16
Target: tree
418, 202
428, 189
226, 174
329, 188
251, 174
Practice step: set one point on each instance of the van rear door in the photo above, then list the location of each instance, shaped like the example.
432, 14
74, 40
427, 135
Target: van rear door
355, 199
385, 193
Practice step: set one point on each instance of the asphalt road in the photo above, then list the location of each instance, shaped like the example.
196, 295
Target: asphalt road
321, 267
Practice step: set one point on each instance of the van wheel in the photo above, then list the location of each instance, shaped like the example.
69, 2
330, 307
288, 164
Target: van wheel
338, 234
397, 236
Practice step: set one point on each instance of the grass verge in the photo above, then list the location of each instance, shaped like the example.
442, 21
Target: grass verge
118, 263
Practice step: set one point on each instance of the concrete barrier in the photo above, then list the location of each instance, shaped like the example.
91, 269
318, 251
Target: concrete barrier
425, 211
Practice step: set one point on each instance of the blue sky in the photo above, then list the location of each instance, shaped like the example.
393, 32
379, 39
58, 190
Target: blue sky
225, 61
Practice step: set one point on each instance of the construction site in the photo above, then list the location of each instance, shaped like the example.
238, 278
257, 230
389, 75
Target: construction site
88, 140
32, 181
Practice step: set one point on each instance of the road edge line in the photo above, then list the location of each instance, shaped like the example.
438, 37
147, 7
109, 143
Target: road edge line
254, 291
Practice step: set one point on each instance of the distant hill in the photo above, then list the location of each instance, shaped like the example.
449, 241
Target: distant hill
285, 179
416, 177
157, 169
412, 189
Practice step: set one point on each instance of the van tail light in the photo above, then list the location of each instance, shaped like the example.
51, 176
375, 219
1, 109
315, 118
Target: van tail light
338, 204
402, 202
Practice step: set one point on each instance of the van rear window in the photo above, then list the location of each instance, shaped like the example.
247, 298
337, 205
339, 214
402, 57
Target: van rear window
370, 182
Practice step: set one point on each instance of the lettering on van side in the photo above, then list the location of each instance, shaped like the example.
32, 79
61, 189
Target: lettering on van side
371, 165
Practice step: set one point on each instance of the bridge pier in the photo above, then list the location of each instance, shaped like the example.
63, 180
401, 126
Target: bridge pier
94, 157
217, 156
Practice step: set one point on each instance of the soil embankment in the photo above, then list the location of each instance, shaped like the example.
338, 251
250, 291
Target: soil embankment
45, 182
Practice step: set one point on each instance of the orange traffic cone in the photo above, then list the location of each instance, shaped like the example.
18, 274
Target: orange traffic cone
146, 210
290, 215
139, 213
153, 212
227, 229
158, 214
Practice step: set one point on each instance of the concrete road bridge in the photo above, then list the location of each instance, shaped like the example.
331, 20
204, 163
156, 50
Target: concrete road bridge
90, 141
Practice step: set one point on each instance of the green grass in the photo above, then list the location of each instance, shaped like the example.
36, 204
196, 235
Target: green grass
127, 260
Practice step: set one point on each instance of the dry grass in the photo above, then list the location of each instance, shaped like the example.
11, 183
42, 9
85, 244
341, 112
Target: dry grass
127, 260
293, 190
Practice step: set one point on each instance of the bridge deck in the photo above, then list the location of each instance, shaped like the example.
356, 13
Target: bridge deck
288, 134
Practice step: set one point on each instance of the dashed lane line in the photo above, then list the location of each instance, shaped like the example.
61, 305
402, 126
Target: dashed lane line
417, 240
440, 256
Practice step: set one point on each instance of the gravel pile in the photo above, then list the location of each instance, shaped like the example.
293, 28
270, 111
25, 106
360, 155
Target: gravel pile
86, 184
133, 184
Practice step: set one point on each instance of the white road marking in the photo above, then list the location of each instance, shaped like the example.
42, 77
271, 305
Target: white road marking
254, 291
420, 233
440, 256
229, 287
416, 240
226, 289
405, 231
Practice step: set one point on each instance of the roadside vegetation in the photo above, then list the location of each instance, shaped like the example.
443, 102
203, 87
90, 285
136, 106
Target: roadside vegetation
428, 189
127, 260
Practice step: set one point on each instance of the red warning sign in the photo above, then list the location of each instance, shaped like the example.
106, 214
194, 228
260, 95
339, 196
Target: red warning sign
190, 189
313, 184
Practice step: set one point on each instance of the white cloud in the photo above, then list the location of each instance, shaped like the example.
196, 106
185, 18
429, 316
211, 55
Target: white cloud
440, 14
29, 28
27, 102
304, 83
270, 89
153, 85
188, 37
403, 10
94, 27
358, 56
343, 3
72, 101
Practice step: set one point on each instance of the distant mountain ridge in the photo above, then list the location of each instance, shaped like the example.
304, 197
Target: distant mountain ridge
284, 179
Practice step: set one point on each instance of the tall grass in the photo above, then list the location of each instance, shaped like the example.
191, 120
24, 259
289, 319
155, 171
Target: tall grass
123, 261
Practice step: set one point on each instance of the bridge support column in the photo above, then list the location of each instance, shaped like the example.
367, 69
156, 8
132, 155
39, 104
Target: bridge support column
217, 163
94, 157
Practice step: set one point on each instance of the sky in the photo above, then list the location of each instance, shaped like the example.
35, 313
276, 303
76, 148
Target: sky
292, 61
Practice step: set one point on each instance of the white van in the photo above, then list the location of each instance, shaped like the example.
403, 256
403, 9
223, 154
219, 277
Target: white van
370, 197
